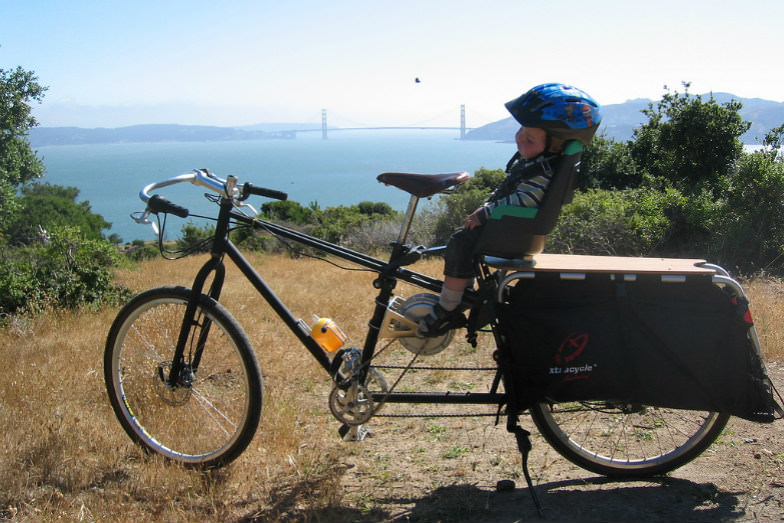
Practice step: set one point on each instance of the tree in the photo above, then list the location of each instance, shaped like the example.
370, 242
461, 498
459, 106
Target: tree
751, 232
452, 209
773, 141
690, 143
18, 162
45, 206
607, 164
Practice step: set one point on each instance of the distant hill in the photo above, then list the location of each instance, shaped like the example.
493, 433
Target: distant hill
42, 136
620, 120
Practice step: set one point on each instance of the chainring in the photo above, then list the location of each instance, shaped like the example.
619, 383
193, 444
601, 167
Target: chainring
354, 405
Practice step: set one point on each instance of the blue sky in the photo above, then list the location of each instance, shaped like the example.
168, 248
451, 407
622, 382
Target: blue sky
109, 63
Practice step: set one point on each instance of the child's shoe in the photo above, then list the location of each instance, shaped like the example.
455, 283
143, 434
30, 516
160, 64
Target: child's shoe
439, 321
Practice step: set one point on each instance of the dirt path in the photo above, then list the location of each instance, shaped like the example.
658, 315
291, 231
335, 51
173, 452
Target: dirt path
434, 470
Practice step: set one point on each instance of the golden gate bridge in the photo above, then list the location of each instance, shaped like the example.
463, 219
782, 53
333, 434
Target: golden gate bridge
325, 129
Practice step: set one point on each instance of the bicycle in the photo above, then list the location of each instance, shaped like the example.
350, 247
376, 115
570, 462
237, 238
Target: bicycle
184, 381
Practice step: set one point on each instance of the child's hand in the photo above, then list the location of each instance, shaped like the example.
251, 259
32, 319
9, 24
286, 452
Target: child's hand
472, 221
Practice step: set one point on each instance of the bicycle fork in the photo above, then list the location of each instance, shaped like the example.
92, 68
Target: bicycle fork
180, 373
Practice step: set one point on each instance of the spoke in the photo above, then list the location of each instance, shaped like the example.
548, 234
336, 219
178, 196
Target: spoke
213, 412
146, 342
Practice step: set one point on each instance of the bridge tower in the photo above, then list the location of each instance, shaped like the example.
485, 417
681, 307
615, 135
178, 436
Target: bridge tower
323, 124
462, 122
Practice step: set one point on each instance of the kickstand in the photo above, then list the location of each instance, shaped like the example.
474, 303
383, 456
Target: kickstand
354, 432
524, 445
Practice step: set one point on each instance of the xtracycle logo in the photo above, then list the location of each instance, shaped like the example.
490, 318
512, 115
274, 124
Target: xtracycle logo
571, 347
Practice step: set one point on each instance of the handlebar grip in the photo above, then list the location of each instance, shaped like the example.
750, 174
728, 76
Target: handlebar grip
249, 189
158, 204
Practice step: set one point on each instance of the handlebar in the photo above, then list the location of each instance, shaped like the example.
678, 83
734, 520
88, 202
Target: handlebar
227, 188
248, 189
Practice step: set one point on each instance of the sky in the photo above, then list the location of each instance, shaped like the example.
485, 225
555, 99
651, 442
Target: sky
240, 62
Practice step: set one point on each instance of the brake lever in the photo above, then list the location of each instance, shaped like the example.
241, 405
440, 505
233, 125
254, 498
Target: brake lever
143, 218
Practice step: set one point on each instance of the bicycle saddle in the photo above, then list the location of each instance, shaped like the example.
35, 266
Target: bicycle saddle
423, 185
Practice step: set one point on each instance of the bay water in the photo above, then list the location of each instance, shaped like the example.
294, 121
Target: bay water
340, 170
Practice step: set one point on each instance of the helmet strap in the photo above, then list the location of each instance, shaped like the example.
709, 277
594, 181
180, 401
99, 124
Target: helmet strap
512, 161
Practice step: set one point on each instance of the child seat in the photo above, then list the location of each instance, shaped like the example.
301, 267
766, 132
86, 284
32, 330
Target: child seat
520, 232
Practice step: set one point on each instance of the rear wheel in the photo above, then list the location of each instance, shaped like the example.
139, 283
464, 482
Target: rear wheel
626, 440
207, 415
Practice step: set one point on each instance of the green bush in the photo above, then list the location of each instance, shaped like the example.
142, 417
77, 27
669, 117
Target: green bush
451, 210
607, 164
364, 224
143, 252
68, 271
287, 211
196, 239
18, 283
750, 231
629, 222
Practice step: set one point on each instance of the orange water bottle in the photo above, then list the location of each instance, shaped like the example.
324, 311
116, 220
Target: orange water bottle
327, 334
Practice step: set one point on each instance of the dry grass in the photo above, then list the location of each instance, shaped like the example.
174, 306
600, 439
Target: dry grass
64, 457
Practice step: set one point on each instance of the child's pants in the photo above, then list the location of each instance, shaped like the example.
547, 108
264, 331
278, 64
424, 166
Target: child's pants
460, 250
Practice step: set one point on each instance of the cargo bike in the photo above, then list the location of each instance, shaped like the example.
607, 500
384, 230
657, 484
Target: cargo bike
627, 366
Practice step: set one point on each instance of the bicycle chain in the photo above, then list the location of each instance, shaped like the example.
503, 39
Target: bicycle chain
405, 368
437, 415
433, 368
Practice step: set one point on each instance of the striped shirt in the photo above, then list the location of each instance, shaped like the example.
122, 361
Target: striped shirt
524, 186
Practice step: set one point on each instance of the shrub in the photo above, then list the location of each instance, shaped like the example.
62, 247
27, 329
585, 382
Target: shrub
452, 209
351, 225
607, 164
287, 211
750, 232
143, 252
629, 222
372, 237
196, 239
68, 271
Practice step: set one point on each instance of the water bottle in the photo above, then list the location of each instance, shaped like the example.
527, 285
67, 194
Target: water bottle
327, 334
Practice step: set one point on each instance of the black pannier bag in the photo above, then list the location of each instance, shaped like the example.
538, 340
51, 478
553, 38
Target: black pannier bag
679, 345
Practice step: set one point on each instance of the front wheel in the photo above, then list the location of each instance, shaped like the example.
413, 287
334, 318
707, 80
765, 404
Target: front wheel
615, 439
207, 414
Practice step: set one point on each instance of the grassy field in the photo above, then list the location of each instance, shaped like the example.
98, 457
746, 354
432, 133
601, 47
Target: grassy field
64, 456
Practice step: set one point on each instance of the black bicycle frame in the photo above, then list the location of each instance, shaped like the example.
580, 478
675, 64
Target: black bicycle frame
389, 273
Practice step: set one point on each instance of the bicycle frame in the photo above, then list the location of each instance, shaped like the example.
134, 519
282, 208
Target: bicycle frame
680, 435
389, 273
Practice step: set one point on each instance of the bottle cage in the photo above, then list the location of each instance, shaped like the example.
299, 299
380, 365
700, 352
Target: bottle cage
520, 232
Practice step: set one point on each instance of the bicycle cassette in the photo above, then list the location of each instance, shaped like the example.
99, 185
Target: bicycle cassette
354, 405
402, 322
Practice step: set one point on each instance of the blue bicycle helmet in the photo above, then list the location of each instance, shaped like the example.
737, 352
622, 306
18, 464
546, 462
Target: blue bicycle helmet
565, 112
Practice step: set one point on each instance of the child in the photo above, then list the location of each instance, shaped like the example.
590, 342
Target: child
549, 115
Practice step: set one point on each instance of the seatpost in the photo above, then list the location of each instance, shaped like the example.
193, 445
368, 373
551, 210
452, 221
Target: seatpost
385, 283
409, 217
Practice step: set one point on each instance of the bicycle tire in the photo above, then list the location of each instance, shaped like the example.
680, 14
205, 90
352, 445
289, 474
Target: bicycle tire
208, 421
626, 441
